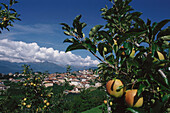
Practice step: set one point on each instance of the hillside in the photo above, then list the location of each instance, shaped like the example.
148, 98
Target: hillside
12, 67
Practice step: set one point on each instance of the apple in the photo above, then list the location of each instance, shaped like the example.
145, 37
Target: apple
23, 103
25, 99
28, 106
105, 49
47, 103
132, 53
113, 86
132, 99
111, 103
105, 101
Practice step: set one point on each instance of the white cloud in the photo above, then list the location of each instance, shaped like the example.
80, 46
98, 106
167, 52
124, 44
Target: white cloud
18, 51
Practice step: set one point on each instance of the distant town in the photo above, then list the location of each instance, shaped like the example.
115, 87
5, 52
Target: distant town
79, 79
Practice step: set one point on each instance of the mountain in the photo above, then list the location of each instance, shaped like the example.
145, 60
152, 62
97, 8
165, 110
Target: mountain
12, 67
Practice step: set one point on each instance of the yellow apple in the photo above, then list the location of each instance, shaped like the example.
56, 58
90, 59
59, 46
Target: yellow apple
132, 100
105, 101
113, 85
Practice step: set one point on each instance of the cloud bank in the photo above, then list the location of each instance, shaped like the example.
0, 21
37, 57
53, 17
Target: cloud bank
18, 51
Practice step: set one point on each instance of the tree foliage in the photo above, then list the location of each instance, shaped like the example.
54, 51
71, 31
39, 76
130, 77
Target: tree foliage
8, 15
37, 98
119, 46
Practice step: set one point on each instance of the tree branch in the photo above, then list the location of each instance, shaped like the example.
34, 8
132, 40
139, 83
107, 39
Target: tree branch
101, 59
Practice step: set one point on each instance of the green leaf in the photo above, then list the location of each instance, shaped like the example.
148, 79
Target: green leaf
140, 54
94, 30
154, 25
159, 26
167, 38
78, 26
150, 34
110, 11
121, 39
141, 23
133, 15
148, 22
76, 21
128, 47
122, 62
132, 110
89, 45
110, 59
166, 80
11, 2
164, 32
105, 35
166, 98
140, 40
154, 48
132, 62
127, 2
166, 44
12, 17
6, 6
115, 47
77, 18
72, 40
83, 25
103, 9
75, 46
15, 2
67, 33
66, 26
141, 89
102, 47
12, 9
161, 82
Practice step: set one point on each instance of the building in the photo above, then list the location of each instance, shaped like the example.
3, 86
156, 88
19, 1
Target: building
3, 87
48, 83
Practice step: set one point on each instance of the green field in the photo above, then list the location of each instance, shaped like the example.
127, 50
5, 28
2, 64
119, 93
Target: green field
95, 110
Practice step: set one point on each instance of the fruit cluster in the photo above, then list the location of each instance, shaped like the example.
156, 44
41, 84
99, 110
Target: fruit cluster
116, 88
36, 93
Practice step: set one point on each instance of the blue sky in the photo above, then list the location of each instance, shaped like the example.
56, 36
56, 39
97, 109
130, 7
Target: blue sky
40, 25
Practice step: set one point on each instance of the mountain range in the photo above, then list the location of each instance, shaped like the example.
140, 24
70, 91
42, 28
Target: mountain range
12, 67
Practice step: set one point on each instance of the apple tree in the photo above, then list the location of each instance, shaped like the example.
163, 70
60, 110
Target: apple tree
37, 98
131, 51
8, 15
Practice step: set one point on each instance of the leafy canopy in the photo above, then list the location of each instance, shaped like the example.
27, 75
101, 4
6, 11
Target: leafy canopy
119, 44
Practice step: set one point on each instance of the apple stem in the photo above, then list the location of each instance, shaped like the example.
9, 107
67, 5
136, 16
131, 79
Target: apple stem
134, 83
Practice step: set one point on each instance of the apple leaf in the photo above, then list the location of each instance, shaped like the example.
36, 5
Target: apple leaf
159, 26
75, 46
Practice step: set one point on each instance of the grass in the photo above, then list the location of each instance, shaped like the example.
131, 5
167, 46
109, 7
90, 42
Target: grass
92, 88
95, 110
